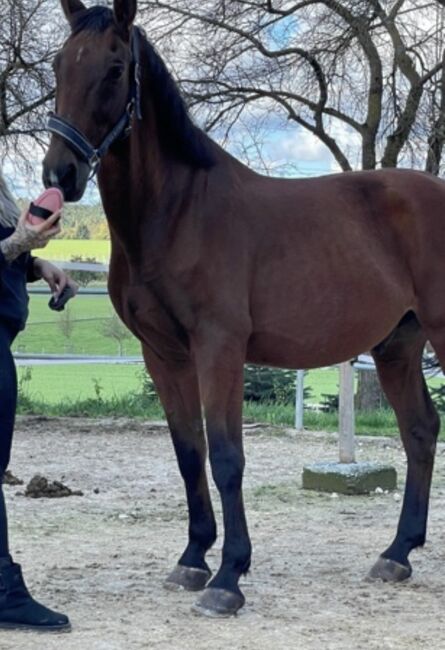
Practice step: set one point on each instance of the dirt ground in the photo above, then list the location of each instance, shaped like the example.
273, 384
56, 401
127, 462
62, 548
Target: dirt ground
102, 557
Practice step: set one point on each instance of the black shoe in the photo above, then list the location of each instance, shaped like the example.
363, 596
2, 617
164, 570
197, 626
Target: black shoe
19, 611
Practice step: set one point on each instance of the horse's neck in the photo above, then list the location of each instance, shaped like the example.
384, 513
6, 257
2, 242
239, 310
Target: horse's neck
147, 194
144, 195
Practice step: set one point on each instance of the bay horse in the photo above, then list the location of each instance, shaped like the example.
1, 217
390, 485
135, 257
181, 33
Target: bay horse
213, 265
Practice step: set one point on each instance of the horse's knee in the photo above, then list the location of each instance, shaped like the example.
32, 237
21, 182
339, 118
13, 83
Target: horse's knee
203, 532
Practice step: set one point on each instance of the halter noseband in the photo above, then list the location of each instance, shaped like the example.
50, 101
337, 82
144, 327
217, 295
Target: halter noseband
75, 138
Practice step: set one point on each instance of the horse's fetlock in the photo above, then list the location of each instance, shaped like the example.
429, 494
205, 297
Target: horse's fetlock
204, 534
238, 555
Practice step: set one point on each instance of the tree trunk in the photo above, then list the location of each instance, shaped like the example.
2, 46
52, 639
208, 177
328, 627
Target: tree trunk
369, 393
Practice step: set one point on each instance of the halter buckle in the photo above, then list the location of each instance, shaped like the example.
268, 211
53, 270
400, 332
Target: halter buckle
94, 161
130, 112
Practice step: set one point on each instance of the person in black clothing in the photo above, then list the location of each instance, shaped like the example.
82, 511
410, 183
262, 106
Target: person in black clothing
17, 266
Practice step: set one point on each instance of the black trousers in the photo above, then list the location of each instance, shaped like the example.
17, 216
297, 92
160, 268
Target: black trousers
8, 404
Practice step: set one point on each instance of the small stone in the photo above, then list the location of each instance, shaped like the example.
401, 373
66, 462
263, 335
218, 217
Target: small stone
378, 490
122, 516
397, 497
96, 491
334, 495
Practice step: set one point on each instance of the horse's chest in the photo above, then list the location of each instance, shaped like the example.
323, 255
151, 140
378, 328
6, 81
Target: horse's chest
153, 320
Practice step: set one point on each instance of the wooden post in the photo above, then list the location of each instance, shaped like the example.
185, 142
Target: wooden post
346, 414
299, 400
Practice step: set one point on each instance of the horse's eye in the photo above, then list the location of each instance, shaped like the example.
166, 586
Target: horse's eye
115, 73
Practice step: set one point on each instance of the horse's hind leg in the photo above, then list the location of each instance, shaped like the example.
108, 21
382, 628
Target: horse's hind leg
399, 365
177, 386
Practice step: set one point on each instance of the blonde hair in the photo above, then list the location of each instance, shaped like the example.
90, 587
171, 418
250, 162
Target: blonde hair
9, 210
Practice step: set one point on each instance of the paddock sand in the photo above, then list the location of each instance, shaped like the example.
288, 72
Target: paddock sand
102, 557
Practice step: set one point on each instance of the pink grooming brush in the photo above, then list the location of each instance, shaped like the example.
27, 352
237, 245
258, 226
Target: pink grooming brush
45, 205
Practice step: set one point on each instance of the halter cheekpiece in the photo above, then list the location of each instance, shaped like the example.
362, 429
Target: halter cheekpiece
79, 143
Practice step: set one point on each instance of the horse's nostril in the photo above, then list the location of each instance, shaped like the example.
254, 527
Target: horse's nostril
67, 176
62, 176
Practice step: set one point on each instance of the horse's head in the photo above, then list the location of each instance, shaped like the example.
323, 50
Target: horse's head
92, 89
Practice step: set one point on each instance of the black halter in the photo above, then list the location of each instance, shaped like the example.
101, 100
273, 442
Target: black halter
79, 143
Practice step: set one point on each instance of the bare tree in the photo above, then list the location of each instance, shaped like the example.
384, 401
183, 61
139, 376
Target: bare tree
30, 34
114, 328
66, 325
363, 76
366, 71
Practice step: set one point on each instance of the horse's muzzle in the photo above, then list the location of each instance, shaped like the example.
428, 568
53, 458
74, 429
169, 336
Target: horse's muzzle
70, 175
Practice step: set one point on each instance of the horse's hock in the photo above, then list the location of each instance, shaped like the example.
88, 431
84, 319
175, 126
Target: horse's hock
349, 478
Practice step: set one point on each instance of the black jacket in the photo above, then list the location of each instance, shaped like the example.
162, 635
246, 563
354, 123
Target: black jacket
13, 279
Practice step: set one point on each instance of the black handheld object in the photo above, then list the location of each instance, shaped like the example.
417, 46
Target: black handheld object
42, 213
59, 303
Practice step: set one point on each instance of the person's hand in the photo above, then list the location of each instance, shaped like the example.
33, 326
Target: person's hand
28, 236
54, 277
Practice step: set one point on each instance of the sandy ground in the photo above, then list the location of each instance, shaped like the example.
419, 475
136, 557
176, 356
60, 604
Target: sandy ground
102, 557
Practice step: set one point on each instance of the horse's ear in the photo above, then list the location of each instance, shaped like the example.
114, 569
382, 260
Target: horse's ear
124, 14
71, 7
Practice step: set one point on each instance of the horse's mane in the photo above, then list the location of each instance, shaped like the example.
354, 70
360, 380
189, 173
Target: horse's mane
178, 133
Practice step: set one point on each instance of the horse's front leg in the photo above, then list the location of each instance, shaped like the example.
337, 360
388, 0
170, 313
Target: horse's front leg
220, 371
178, 391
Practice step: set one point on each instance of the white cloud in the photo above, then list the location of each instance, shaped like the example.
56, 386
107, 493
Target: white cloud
299, 146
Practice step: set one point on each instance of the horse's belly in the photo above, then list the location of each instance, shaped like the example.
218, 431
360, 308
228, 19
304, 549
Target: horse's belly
319, 334
273, 349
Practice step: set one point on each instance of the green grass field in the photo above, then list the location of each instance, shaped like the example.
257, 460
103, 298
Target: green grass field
65, 249
59, 382
87, 315
55, 384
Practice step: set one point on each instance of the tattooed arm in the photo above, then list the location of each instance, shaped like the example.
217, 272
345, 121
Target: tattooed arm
27, 236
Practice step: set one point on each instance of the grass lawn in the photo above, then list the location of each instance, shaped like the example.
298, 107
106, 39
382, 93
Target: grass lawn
323, 381
65, 249
87, 315
58, 384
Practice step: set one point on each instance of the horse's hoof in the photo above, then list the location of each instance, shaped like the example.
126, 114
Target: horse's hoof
389, 571
188, 578
218, 603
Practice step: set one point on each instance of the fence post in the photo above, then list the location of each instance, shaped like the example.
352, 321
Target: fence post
346, 414
299, 400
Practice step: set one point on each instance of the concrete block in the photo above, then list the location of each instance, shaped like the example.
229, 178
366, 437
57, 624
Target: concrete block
349, 478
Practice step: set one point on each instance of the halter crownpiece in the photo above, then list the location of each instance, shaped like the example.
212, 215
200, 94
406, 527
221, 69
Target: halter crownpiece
76, 140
